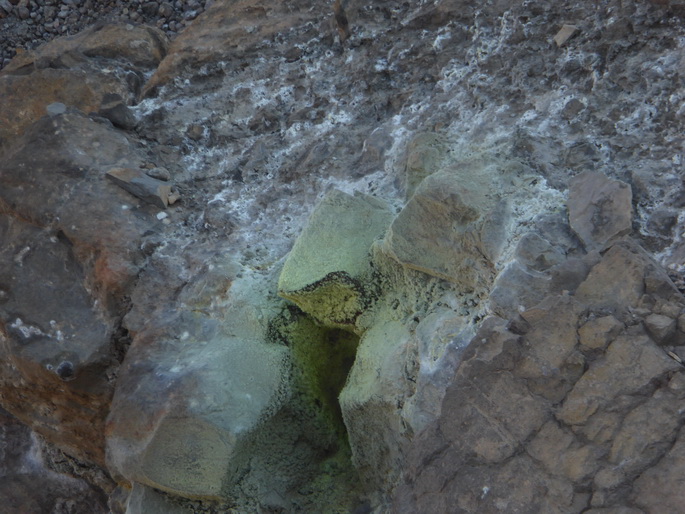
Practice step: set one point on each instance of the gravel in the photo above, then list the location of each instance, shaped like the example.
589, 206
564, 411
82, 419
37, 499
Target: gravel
26, 24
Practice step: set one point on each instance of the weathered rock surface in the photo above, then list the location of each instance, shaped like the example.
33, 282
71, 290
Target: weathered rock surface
599, 209
418, 265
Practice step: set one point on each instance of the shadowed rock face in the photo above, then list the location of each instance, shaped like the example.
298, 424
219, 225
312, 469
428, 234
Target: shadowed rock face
425, 260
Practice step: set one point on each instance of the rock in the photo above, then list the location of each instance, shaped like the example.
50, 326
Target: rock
159, 174
617, 281
61, 223
328, 272
599, 209
655, 489
56, 108
565, 33
145, 500
425, 153
661, 328
597, 333
143, 186
115, 110
25, 97
439, 232
195, 132
632, 361
138, 45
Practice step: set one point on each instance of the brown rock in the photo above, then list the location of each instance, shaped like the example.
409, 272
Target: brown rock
229, 30
25, 97
631, 362
597, 333
659, 488
599, 209
70, 257
617, 281
139, 45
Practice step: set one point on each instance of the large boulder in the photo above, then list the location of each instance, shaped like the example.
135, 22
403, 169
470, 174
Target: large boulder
71, 255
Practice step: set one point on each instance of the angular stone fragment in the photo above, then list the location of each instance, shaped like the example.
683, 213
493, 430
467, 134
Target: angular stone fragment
599, 209
141, 185
441, 231
565, 33
369, 399
328, 271
115, 110
661, 328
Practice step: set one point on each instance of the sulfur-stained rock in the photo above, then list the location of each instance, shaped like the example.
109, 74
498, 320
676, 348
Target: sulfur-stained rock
328, 272
440, 232
145, 500
369, 400
599, 209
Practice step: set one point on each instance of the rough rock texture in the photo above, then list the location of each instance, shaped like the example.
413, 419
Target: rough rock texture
421, 257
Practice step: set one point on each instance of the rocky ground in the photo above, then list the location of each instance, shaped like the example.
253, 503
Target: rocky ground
396, 258
26, 24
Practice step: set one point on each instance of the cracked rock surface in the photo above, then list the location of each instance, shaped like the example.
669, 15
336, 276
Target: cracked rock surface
377, 257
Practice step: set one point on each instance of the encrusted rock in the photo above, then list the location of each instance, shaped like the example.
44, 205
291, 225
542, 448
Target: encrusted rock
328, 272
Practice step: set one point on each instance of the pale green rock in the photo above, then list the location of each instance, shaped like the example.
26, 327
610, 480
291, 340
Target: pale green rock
369, 399
328, 272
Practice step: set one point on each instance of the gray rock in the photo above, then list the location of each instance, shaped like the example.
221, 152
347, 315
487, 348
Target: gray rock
137, 183
115, 110
661, 328
56, 108
158, 173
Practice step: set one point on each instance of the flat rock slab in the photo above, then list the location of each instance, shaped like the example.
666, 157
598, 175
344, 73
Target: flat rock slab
141, 185
599, 209
328, 269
